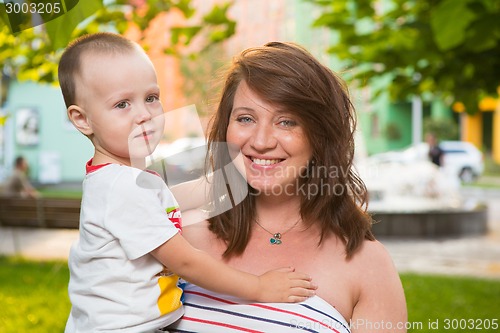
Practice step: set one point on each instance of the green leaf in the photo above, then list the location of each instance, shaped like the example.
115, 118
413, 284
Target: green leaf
3, 15
483, 34
218, 14
60, 30
325, 19
449, 22
185, 7
183, 34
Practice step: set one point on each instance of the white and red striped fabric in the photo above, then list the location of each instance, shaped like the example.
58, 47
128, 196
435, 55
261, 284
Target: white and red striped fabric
209, 312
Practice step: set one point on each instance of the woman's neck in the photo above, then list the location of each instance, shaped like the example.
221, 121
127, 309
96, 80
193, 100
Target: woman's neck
280, 208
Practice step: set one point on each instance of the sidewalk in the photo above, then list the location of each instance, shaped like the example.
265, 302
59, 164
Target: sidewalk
475, 256
33, 243
472, 256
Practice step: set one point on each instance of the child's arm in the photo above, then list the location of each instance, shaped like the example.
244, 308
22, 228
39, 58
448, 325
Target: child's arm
198, 267
192, 194
192, 197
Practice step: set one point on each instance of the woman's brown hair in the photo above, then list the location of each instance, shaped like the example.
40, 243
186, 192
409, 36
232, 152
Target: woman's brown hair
286, 75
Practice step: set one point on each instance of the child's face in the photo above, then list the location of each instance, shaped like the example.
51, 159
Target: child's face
120, 97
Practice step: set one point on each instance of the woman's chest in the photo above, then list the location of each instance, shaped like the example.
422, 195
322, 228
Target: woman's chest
326, 265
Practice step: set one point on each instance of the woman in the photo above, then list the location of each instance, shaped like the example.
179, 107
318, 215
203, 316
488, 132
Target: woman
292, 123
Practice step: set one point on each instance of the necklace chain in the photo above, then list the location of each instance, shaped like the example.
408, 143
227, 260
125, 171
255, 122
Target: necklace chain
276, 236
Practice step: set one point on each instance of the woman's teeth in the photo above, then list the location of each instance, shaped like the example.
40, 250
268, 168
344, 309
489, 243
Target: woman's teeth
264, 162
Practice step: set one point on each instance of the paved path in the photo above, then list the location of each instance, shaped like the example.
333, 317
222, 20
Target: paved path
37, 243
475, 256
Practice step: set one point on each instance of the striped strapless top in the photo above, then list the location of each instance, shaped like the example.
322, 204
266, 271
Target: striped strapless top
207, 312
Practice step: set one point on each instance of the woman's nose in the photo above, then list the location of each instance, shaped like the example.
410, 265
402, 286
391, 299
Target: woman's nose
263, 138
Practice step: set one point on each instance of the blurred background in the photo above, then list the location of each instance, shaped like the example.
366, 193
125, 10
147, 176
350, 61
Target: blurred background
413, 67
416, 69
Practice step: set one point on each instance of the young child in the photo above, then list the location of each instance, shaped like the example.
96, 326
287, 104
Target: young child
129, 223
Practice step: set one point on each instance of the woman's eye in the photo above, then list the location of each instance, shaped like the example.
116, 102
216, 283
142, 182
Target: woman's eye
244, 119
122, 105
151, 99
287, 123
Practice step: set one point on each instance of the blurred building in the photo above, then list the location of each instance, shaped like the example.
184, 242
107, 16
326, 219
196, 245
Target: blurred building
483, 128
38, 129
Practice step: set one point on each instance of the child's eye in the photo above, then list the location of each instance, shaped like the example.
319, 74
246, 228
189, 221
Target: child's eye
122, 105
151, 99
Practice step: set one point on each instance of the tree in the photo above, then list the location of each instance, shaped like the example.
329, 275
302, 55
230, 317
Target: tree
447, 49
31, 52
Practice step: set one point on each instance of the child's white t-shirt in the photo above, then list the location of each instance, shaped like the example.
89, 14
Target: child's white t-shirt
115, 284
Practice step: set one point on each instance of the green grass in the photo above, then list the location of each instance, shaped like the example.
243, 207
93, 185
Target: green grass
490, 167
55, 193
453, 301
33, 298
490, 179
483, 185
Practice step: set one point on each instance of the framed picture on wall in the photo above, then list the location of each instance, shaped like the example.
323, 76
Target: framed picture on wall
27, 127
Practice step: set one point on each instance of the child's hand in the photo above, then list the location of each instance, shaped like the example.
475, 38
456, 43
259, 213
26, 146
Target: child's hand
285, 285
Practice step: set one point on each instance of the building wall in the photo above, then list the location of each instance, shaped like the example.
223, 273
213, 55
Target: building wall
262, 21
60, 152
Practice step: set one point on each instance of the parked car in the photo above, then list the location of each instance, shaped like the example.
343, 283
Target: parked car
460, 158
465, 157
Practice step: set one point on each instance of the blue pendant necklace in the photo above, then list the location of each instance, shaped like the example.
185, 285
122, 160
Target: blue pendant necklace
276, 236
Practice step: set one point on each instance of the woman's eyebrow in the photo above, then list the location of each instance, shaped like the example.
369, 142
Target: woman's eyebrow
284, 112
242, 108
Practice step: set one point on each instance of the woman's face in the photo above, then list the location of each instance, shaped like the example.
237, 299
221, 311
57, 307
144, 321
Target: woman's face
272, 141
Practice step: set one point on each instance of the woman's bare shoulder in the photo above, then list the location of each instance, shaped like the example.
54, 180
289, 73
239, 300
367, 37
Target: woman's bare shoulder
377, 272
373, 259
373, 253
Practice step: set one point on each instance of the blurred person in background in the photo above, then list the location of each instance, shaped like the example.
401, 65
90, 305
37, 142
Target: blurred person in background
435, 152
18, 183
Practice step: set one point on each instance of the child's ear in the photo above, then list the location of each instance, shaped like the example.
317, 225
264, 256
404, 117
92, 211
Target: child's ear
79, 119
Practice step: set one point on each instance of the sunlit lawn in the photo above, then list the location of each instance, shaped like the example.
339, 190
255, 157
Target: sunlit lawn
467, 304
56, 193
33, 298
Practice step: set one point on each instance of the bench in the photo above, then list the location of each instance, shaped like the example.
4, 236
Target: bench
40, 212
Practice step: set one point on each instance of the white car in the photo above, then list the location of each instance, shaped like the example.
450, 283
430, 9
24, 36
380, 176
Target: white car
465, 158
460, 158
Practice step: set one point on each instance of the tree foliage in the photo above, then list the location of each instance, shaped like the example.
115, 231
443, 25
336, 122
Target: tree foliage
448, 49
442, 128
33, 53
